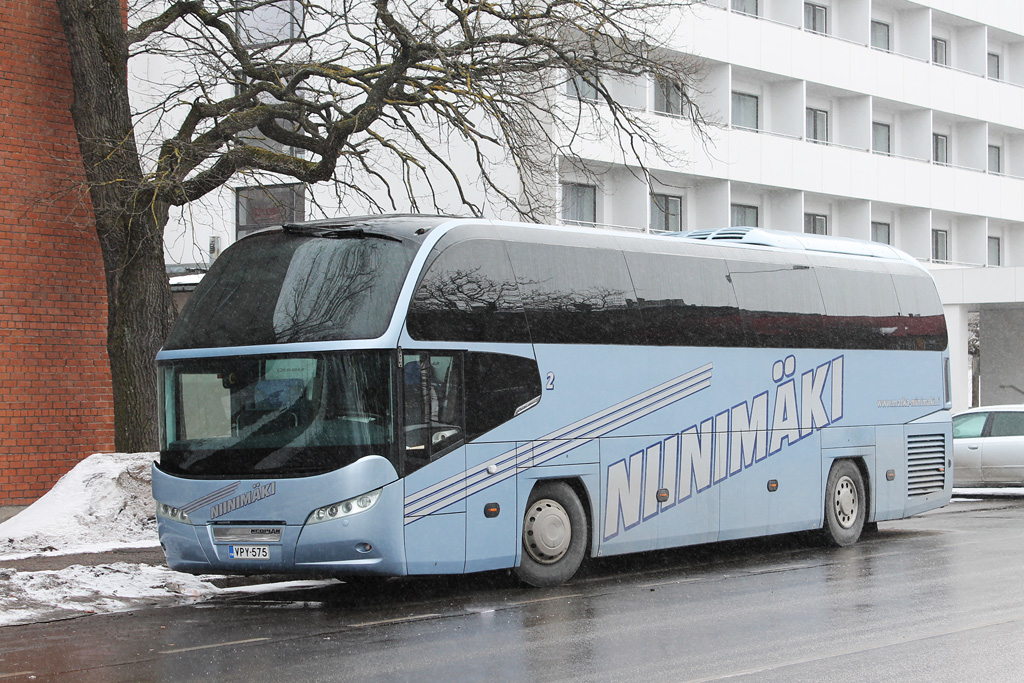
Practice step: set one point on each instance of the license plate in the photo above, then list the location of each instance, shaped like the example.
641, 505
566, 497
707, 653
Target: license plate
249, 552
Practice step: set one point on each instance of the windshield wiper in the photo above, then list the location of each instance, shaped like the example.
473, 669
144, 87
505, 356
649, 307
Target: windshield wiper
336, 232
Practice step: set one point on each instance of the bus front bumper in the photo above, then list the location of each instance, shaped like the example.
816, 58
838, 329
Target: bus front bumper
368, 543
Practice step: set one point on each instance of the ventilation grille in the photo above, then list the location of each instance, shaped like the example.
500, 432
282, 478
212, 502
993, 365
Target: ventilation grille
926, 464
722, 234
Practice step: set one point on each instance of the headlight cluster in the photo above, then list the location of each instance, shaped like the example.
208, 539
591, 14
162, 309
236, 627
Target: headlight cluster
173, 514
360, 503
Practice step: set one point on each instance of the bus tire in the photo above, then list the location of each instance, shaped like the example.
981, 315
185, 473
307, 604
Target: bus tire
845, 504
554, 535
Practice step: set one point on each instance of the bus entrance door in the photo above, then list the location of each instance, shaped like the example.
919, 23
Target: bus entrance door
435, 516
491, 511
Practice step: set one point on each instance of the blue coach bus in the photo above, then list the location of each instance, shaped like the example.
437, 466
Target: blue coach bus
406, 395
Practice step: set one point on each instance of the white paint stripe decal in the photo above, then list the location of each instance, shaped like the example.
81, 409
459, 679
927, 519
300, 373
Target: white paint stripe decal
554, 449
440, 502
209, 498
561, 441
680, 383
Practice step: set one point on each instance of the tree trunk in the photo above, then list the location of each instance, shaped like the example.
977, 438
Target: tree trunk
129, 220
139, 316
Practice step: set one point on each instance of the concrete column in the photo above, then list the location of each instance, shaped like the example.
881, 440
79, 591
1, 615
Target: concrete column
1002, 360
959, 361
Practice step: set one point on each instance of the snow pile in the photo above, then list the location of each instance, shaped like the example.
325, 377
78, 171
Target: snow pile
29, 597
104, 502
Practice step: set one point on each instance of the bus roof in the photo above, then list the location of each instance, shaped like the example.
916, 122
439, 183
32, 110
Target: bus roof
796, 241
414, 227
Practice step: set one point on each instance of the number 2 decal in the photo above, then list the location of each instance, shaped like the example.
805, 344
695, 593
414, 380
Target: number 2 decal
551, 381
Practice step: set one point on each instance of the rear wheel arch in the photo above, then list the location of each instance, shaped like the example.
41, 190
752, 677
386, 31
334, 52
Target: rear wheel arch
556, 536
846, 502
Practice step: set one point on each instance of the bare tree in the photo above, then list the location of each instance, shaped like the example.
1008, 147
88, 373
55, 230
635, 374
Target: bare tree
351, 83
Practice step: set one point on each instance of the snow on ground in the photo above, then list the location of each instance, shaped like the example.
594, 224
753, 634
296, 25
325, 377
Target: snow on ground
104, 504
29, 597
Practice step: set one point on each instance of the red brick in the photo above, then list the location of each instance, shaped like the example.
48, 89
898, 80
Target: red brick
55, 402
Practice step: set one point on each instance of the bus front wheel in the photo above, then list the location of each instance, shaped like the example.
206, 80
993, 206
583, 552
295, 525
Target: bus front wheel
845, 504
554, 535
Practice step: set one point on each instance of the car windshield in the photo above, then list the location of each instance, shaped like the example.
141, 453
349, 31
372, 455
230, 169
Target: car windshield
282, 416
279, 287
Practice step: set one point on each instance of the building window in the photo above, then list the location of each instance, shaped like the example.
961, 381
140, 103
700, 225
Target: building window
745, 6
993, 65
815, 18
666, 212
940, 250
993, 251
880, 232
940, 52
817, 125
270, 23
669, 98
940, 148
881, 140
744, 110
263, 206
743, 215
816, 224
880, 36
582, 87
579, 204
995, 161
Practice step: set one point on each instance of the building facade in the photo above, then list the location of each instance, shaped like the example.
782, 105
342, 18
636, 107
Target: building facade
56, 404
888, 120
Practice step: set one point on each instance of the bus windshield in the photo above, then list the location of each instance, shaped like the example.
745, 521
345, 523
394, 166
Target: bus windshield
281, 416
277, 288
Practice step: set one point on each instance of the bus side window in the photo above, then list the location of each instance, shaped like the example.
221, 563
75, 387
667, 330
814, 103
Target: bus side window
433, 402
498, 387
574, 294
469, 294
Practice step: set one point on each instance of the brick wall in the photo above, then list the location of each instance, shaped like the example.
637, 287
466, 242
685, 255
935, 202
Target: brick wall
55, 394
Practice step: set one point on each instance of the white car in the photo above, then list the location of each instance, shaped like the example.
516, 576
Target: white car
988, 446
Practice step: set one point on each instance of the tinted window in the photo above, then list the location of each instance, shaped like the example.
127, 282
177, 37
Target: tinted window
685, 301
1007, 424
781, 305
576, 294
862, 307
497, 385
468, 293
969, 426
278, 288
433, 402
924, 324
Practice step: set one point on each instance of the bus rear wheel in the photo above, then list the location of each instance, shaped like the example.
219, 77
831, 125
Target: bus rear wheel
845, 504
554, 535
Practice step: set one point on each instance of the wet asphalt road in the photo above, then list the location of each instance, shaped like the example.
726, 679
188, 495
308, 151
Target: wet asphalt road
935, 598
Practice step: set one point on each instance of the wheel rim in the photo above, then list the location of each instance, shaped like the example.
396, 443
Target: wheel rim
845, 502
547, 531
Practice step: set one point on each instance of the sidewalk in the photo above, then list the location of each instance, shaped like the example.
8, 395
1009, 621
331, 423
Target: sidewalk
43, 563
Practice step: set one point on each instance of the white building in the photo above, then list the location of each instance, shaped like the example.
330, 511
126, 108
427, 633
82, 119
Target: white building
887, 120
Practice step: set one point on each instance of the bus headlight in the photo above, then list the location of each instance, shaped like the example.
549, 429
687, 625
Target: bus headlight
360, 503
173, 514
